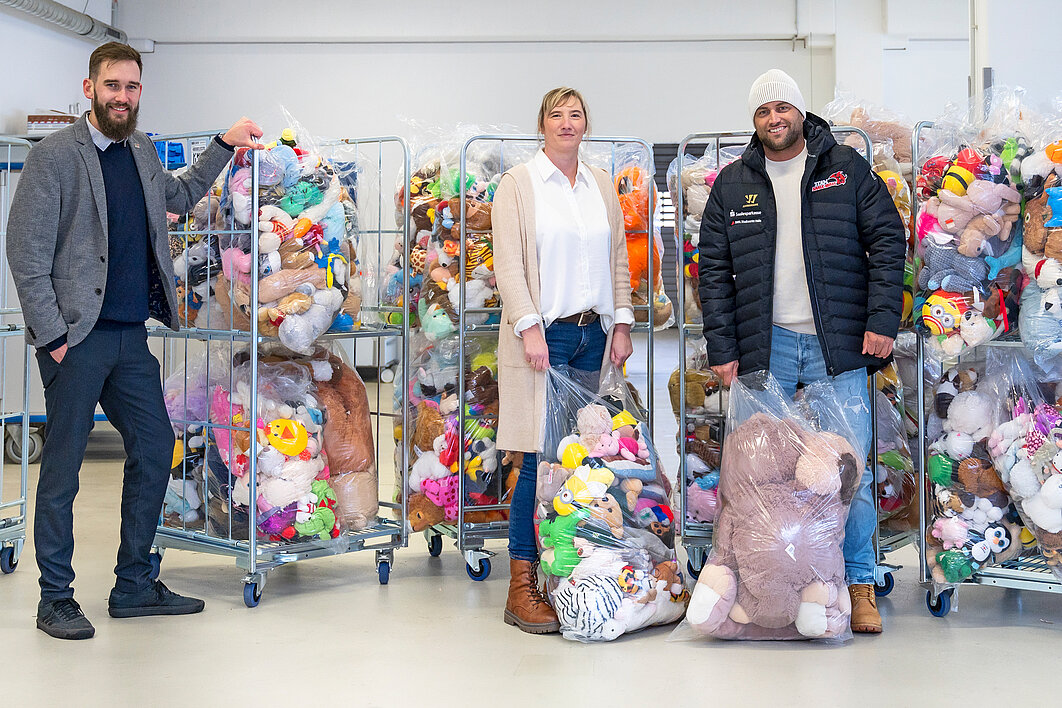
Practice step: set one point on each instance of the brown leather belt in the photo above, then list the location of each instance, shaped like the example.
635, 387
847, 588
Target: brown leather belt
582, 319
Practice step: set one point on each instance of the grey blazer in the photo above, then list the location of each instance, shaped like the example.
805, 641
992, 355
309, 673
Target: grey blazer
57, 231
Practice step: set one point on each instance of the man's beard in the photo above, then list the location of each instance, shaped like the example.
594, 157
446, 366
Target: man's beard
115, 130
784, 142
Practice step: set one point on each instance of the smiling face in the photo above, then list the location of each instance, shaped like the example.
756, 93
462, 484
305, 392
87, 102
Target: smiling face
780, 128
115, 96
564, 126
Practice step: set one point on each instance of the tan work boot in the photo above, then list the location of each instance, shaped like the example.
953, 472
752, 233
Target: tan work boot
865, 617
527, 607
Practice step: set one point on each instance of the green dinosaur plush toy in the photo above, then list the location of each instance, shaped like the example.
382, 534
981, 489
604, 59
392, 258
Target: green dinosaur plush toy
559, 556
322, 520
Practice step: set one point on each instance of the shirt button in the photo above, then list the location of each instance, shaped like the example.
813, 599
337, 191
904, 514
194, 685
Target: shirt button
102, 259
98, 291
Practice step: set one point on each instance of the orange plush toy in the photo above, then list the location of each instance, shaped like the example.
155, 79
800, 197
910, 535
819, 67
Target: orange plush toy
632, 186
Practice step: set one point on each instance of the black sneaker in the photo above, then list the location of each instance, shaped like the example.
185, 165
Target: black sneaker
63, 619
156, 600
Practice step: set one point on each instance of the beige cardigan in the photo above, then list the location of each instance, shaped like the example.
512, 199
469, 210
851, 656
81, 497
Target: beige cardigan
521, 389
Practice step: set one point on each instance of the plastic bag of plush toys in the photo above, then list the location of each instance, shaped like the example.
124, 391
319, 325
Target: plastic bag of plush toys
970, 522
606, 532
306, 270
1041, 302
789, 472
693, 185
704, 401
312, 446
633, 180
970, 231
897, 484
1026, 448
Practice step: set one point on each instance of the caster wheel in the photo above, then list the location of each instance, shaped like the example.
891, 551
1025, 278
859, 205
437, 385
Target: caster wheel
939, 606
481, 572
13, 448
435, 546
156, 565
383, 569
252, 594
885, 586
8, 562
692, 570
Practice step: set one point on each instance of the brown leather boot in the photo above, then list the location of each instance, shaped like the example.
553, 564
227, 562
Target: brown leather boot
865, 617
527, 606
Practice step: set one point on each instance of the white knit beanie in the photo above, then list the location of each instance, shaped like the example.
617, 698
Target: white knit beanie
775, 85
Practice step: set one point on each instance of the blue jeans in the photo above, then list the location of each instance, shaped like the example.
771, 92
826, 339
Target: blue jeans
797, 358
583, 349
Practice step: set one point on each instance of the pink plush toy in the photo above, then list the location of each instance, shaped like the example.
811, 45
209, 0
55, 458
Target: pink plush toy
951, 531
608, 444
236, 264
633, 448
443, 494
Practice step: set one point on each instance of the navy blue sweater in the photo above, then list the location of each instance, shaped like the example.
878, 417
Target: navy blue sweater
126, 297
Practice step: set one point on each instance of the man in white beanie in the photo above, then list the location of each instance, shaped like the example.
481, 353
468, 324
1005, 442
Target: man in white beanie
801, 272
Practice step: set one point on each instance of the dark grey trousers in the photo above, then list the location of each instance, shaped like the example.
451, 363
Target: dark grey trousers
112, 367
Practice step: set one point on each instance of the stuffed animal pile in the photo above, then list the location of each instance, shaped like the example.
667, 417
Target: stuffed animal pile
307, 268
970, 235
704, 401
695, 178
637, 196
1041, 303
776, 570
436, 444
606, 531
1026, 448
313, 448
970, 523
896, 481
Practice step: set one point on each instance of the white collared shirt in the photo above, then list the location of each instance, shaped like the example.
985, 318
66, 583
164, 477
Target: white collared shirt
99, 139
574, 242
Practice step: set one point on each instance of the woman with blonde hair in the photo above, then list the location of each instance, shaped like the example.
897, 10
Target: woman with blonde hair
560, 257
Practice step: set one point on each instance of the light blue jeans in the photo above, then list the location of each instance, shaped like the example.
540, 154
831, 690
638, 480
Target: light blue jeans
797, 358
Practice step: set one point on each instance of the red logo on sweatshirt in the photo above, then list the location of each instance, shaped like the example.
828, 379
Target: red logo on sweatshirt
837, 179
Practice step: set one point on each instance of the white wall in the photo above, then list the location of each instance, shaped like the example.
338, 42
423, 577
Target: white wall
658, 72
1020, 41
44, 65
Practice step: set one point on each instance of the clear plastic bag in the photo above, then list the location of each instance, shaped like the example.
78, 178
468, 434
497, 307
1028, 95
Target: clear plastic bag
605, 528
1026, 448
308, 267
632, 178
789, 473
969, 229
969, 524
897, 485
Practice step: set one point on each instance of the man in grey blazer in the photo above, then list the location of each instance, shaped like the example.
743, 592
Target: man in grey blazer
89, 254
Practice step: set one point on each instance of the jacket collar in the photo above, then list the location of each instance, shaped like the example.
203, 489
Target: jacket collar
817, 133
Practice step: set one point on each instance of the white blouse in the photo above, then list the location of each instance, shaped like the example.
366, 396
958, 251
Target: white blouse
574, 239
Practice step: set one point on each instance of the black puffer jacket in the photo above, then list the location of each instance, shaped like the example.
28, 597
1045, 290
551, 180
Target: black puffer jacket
853, 252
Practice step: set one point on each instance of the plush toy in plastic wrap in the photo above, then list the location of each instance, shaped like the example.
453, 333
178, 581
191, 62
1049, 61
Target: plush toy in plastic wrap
435, 445
789, 473
970, 524
704, 403
695, 182
307, 269
633, 179
1026, 448
1041, 304
606, 531
897, 487
313, 449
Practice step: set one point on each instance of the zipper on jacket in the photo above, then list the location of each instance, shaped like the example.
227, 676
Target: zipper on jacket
813, 161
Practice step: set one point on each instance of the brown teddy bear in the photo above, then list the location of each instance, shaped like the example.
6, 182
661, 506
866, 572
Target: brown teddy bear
776, 569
